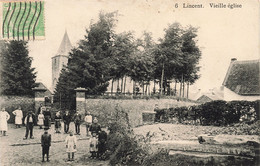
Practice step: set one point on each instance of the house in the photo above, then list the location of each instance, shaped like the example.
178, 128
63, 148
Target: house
242, 80
48, 95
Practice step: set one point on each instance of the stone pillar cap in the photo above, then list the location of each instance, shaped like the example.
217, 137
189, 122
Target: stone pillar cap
39, 89
80, 89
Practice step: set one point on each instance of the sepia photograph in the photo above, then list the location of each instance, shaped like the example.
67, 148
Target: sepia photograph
127, 82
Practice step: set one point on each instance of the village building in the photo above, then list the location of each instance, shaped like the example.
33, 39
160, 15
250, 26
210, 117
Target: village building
242, 81
60, 59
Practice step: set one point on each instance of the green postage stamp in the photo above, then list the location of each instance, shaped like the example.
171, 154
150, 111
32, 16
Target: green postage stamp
23, 20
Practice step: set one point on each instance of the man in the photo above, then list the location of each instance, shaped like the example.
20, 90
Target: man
88, 120
29, 122
46, 143
95, 127
18, 117
66, 120
157, 113
77, 121
39, 109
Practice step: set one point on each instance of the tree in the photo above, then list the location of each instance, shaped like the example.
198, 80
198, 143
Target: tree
168, 54
17, 75
89, 65
122, 49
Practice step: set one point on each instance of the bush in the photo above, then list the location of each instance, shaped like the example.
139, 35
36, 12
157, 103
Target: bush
125, 148
218, 112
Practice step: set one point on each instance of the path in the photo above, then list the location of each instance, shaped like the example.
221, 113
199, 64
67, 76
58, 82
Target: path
16, 151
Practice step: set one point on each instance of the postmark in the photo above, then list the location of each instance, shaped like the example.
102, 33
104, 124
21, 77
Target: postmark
23, 20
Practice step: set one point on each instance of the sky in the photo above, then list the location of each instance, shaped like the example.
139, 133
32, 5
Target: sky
223, 33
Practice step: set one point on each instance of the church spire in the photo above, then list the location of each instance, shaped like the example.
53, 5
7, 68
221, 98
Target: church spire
65, 45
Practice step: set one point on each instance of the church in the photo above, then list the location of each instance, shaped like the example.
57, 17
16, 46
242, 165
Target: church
60, 59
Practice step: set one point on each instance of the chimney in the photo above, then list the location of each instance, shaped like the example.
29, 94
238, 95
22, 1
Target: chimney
233, 59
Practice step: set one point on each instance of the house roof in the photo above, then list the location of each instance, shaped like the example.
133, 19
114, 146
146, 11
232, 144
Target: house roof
40, 85
65, 45
243, 77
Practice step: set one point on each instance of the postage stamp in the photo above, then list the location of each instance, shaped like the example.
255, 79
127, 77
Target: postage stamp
23, 20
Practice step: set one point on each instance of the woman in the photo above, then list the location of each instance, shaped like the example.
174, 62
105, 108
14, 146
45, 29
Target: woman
18, 117
4, 117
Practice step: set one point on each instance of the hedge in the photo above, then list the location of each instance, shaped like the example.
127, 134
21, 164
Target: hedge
215, 113
11, 103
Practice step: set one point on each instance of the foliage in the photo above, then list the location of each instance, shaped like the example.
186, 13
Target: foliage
17, 75
218, 113
125, 147
89, 63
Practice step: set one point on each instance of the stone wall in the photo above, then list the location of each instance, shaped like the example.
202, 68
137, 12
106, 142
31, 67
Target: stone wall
104, 108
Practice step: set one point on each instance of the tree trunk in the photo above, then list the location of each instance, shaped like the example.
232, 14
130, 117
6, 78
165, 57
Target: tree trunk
183, 92
117, 89
112, 86
175, 88
188, 85
149, 92
143, 87
133, 87
180, 89
162, 78
154, 90
124, 84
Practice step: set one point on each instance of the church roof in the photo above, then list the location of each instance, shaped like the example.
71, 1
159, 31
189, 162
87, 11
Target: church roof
243, 77
65, 45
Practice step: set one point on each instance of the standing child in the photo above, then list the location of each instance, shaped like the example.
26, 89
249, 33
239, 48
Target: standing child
93, 146
57, 122
4, 117
46, 143
18, 117
71, 144
88, 121
40, 119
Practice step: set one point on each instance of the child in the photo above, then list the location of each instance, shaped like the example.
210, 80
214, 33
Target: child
71, 142
57, 122
88, 120
93, 145
46, 143
40, 119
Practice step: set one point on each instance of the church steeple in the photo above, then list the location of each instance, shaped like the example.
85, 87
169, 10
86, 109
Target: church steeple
60, 59
65, 45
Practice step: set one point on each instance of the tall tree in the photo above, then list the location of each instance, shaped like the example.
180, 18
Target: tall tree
17, 75
168, 54
89, 65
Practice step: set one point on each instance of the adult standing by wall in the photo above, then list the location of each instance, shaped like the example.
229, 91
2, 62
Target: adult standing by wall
18, 116
77, 121
4, 117
66, 119
29, 121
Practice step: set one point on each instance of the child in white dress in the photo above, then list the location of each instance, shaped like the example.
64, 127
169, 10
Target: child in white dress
40, 119
71, 144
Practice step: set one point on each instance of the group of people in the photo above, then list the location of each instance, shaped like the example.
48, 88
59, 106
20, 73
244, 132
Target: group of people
97, 136
97, 145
